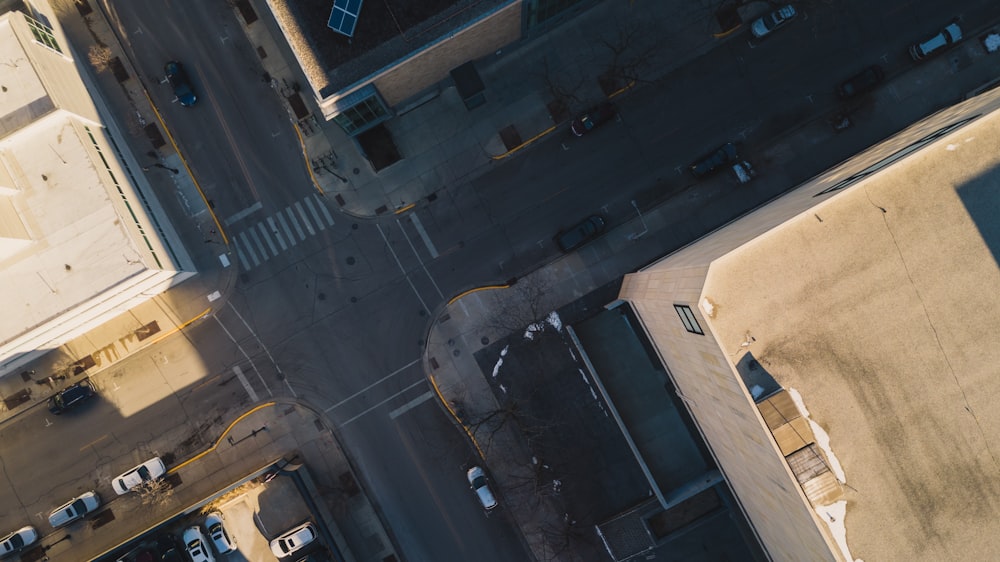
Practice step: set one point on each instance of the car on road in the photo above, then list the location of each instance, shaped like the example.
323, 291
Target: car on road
861, 83
715, 160
580, 233
70, 396
196, 545
221, 540
592, 118
74, 509
294, 540
25, 536
149, 470
477, 480
772, 21
950, 35
180, 82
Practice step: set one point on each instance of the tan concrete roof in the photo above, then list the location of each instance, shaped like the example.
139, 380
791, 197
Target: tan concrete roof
881, 306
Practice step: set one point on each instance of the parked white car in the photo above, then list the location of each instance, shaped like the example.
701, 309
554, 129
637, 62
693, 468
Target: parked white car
74, 509
149, 470
478, 482
293, 540
196, 545
25, 536
221, 540
771, 22
950, 35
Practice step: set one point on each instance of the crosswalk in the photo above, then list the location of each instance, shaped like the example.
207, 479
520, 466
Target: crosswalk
278, 232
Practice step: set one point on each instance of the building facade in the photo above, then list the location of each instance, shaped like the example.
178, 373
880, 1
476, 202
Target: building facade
837, 348
81, 241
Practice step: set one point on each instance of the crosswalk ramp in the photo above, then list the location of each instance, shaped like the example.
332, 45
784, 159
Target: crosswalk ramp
280, 231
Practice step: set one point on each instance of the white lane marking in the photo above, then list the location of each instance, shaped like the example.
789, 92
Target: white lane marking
312, 210
369, 387
240, 347
277, 233
324, 210
305, 220
414, 385
422, 266
411, 404
239, 252
260, 245
423, 235
255, 207
267, 237
249, 248
262, 346
288, 231
400, 265
245, 382
295, 223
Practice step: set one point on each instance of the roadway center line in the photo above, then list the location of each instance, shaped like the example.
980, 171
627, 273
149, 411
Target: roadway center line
95, 441
419, 382
367, 388
400, 264
422, 266
423, 235
411, 404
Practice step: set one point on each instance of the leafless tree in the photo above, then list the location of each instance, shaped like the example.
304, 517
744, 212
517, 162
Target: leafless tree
632, 48
518, 307
156, 491
100, 57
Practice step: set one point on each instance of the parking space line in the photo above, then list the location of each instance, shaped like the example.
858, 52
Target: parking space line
322, 207
312, 210
277, 233
305, 219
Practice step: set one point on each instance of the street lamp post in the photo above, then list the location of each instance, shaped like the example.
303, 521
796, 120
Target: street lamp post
637, 235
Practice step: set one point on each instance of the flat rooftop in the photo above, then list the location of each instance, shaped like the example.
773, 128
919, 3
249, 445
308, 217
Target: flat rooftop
881, 306
387, 31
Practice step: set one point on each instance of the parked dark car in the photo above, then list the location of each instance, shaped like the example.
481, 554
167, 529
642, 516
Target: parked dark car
592, 118
715, 160
180, 82
861, 83
581, 233
71, 396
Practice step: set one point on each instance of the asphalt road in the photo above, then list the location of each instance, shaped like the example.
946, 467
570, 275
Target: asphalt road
343, 314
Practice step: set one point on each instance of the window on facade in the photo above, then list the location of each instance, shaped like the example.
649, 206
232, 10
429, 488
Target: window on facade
43, 34
688, 319
541, 10
361, 115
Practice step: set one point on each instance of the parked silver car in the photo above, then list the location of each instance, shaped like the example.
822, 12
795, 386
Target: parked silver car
769, 23
479, 484
74, 509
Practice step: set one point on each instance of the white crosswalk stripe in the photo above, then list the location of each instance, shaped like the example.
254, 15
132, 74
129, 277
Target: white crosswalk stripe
272, 235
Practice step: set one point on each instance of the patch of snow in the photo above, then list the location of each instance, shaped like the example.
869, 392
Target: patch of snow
572, 354
951, 147
554, 320
834, 515
503, 388
992, 42
822, 437
496, 368
707, 307
529, 332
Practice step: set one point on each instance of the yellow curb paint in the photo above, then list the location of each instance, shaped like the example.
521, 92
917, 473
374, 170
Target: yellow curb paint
302, 143
523, 144
218, 225
727, 33
477, 289
622, 90
219, 440
455, 415
169, 333
406, 208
